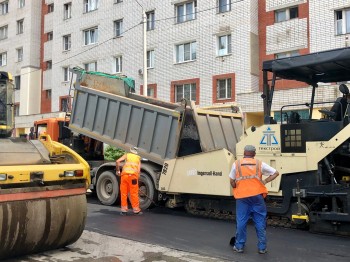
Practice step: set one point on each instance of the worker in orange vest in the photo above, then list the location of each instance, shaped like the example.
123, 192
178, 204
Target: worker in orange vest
249, 191
129, 181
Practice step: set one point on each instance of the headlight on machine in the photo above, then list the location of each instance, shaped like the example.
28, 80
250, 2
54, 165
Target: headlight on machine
3, 177
68, 173
72, 173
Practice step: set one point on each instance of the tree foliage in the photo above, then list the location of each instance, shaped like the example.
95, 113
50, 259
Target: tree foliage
112, 153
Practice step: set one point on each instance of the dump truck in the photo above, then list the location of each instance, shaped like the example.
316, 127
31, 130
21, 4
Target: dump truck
57, 127
188, 152
162, 131
42, 188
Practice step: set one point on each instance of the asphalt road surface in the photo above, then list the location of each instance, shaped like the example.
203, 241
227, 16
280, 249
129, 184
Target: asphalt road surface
163, 234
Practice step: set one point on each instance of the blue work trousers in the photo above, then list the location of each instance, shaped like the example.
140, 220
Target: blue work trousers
251, 207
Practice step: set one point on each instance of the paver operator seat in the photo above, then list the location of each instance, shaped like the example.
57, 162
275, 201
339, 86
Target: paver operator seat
339, 107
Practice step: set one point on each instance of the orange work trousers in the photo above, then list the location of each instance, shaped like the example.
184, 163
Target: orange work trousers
129, 184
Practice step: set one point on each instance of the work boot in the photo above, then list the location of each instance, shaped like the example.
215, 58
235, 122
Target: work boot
238, 250
138, 213
262, 251
123, 213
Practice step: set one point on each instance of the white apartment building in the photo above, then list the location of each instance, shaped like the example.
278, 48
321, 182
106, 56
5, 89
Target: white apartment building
329, 24
202, 50
293, 27
20, 22
209, 51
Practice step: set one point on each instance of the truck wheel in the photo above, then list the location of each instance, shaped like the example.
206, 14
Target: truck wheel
147, 191
107, 188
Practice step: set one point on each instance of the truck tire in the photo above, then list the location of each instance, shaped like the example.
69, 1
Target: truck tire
107, 188
147, 191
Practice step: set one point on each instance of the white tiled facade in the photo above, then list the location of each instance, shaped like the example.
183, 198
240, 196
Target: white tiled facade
240, 22
323, 34
317, 32
287, 36
28, 67
280, 4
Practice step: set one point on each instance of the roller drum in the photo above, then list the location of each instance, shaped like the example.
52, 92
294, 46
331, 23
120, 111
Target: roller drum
32, 226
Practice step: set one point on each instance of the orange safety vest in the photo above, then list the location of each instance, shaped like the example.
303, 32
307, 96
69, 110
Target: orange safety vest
248, 179
132, 163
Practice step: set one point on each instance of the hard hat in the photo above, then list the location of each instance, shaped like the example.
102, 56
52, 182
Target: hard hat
134, 150
249, 148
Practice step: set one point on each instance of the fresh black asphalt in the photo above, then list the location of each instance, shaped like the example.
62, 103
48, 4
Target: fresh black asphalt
179, 230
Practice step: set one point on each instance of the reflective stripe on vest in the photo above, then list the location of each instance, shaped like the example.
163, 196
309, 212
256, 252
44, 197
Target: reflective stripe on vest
131, 165
257, 173
248, 179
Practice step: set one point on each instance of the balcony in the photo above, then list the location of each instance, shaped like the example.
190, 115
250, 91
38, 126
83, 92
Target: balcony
48, 23
47, 77
48, 50
286, 36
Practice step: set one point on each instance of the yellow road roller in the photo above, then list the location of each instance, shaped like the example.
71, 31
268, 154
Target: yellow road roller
42, 188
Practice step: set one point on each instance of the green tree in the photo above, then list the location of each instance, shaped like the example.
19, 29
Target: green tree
112, 153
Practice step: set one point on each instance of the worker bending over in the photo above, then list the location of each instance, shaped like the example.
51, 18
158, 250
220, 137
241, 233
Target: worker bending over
129, 181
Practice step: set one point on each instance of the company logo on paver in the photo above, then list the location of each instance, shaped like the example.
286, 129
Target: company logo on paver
195, 172
269, 140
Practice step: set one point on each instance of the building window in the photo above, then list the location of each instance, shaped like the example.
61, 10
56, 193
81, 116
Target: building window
48, 65
18, 82
224, 6
50, 8
20, 26
19, 54
150, 59
4, 8
151, 90
224, 45
67, 11
3, 32
186, 11
3, 59
187, 88
150, 20
65, 74
21, 3
90, 5
286, 14
65, 103
92, 66
223, 89
48, 94
118, 64
286, 54
187, 91
66, 42
118, 27
342, 21
49, 36
186, 52
118, 1
91, 36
